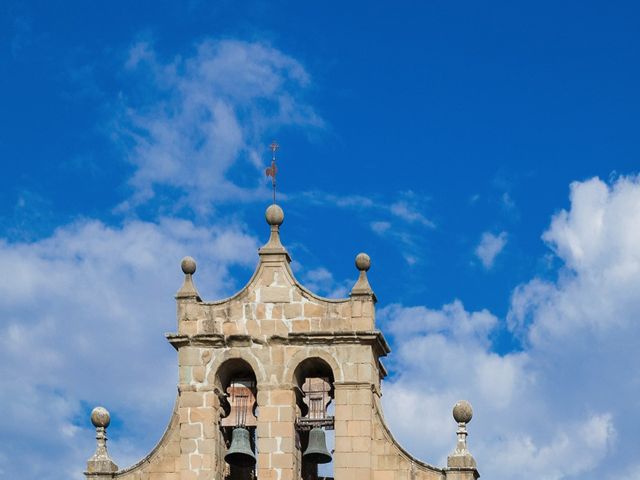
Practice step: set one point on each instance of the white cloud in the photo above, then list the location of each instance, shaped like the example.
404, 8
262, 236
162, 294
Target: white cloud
444, 355
490, 247
565, 405
73, 306
410, 213
401, 221
321, 280
380, 227
209, 112
408, 207
598, 241
573, 450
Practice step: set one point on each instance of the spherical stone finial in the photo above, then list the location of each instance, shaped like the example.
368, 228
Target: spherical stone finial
188, 265
100, 417
274, 215
363, 262
462, 412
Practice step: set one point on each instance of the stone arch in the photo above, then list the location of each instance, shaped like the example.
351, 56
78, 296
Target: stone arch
227, 358
309, 353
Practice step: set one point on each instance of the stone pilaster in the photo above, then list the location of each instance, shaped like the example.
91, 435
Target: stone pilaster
276, 436
353, 426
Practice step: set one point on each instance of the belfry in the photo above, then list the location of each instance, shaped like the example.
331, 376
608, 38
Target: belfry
266, 373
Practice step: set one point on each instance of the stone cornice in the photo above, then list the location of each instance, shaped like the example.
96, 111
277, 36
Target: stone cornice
374, 338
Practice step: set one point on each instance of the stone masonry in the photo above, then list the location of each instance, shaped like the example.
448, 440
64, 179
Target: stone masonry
277, 332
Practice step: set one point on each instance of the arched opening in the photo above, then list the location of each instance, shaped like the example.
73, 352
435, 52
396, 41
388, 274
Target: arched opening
237, 382
314, 380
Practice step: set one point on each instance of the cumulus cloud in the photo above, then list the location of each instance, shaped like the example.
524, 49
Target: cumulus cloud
198, 126
561, 406
73, 306
490, 247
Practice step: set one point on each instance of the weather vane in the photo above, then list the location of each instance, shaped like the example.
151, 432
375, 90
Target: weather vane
272, 170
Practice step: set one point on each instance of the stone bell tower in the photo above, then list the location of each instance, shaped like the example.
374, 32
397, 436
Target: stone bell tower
256, 373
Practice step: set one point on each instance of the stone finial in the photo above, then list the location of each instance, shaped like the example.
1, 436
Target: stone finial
274, 216
461, 457
188, 289
462, 412
100, 417
100, 462
362, 287
188, 265
363, 262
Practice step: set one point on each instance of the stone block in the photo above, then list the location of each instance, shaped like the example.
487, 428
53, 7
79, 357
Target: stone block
292, 310
206, 446
360, 396
277, 357
190, 430
263, 429
230, 328
264, 397
195, 462
384, 475
201, 415
366, 373
362, 324
282, 429
188, 446
185, 374
282, 397
188, 327
276, 312
343, 444
313, 310
268, 414
301, 325
191, 399
188, 356
343, 412
361, 444
275, 295
286, 414
267, 474
166, 465
282, 460
264, 460
341, 428
253, 328
208, 325
198, 374
267, 444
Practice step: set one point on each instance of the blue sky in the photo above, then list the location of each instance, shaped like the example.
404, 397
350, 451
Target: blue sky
485, 156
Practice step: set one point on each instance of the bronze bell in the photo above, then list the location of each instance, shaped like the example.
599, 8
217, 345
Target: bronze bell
316, 451
240, 453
